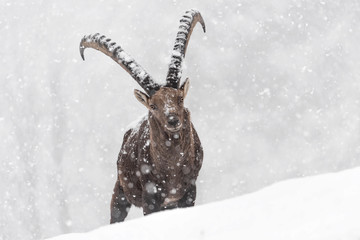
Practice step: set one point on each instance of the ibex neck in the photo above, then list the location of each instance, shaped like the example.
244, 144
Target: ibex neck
169, 147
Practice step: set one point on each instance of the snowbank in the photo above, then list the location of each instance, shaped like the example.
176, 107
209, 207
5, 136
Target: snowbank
321, 207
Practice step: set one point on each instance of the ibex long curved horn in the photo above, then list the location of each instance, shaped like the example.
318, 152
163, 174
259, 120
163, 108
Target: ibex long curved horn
187, 24
106, 46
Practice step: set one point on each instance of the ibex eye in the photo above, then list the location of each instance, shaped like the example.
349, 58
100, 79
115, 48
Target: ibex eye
153, 107
181, 100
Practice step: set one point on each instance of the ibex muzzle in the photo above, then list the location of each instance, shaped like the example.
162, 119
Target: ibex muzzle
173, 123
160, 159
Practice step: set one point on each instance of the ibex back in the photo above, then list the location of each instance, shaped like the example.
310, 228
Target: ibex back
161, 157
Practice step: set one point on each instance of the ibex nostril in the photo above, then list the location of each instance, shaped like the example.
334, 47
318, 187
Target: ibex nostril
173, 120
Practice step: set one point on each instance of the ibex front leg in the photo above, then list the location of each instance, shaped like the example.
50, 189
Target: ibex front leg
151, 199
119, 204
188, 200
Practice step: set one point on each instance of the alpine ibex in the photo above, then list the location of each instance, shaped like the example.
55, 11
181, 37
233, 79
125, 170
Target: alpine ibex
160, 159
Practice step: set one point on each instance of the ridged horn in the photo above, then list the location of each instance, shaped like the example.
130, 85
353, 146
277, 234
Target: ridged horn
187, 24
106, 46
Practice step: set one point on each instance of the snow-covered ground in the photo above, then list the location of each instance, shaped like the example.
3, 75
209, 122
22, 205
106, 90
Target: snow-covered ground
324, 207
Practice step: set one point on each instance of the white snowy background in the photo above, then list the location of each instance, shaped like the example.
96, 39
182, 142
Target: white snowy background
275, 94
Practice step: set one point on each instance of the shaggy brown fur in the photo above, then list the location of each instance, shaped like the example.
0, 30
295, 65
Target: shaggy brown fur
157, 168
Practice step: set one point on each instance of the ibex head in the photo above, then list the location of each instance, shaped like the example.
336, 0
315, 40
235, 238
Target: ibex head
164, 102
166, 105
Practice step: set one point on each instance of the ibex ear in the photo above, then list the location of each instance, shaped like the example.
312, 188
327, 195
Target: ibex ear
142, 97
185, 86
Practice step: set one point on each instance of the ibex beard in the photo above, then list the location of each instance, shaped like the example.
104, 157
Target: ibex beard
160, 159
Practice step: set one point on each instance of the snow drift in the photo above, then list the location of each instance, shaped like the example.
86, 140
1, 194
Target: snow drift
320, 207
